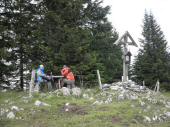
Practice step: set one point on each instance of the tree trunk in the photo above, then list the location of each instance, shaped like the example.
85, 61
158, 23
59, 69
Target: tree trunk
21, 71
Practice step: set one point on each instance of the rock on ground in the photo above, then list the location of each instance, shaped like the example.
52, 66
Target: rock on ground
65, 91
167, 114
76, 91
10, 115
39, 103
15, 108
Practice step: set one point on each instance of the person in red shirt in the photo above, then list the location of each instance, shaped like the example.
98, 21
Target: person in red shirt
69, 78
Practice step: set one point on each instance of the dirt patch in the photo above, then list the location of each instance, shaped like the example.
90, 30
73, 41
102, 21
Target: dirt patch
104, 108
73, 108
115, 119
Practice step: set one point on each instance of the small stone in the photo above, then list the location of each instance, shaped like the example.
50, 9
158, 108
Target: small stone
25, 101
167, 106
10, 115
67, 104
132, 106
91, 98
147, 119
6, 110
105, 86
39, 103
114, 87
98, 102
76, 92
167, 114
133, 97
148, 107
86, 96
66, 110
120, 97
21, 109
155, 118
4, 91
2, 112
142, 103
15, 108
65, 91
109, 100
6, 101
168, 103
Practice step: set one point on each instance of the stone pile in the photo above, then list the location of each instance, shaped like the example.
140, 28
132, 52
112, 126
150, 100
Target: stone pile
10, 113
68, 92
129, 85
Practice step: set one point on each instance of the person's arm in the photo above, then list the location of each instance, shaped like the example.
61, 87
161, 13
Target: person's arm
40, 73
62, 72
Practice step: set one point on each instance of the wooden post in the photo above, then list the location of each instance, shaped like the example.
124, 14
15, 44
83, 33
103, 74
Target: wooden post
143, 83
32, 83
157, 86
125, 66
99, 79
123, 40
59, 83
81, 80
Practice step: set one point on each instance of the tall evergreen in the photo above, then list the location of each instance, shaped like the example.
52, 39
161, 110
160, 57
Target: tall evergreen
80, 35
152, 61
5, 39
21, 19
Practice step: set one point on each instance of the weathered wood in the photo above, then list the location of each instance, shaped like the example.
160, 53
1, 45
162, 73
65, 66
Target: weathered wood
124, 41
99, 79
121, 41
31, 85
58, 76
125, 66
143, 83
132, 41
157, 86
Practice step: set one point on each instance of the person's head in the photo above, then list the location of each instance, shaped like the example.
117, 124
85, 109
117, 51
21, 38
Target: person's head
41, 67
64, 66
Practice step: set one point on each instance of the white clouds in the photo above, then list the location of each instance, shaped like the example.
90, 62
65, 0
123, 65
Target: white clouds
128, 15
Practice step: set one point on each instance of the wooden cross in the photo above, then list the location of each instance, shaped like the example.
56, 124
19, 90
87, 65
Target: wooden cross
123, 40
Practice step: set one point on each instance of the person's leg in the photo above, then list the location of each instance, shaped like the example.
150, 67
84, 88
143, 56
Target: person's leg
37, 87
49, 86
73, 84
65, 82
68, 83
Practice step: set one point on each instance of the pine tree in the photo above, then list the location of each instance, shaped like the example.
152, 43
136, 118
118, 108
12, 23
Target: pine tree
21, 18
5, 41
80, 36
152, 61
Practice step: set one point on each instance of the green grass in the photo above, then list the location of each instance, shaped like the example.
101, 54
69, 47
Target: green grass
116, 114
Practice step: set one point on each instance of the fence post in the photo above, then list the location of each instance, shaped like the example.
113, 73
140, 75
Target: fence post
31, 83
99, 79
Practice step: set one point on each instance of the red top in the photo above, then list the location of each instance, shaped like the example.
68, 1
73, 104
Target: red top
67, 73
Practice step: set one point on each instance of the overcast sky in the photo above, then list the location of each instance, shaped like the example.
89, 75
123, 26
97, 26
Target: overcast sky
128, 15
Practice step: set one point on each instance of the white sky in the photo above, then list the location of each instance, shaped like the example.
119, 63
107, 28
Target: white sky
127, 15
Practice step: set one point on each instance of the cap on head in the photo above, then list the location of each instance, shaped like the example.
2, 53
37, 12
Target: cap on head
64, 66
41, 66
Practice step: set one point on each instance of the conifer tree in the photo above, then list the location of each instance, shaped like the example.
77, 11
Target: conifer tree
152, 61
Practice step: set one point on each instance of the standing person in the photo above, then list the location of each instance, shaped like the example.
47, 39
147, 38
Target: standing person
69, 79
39, 74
